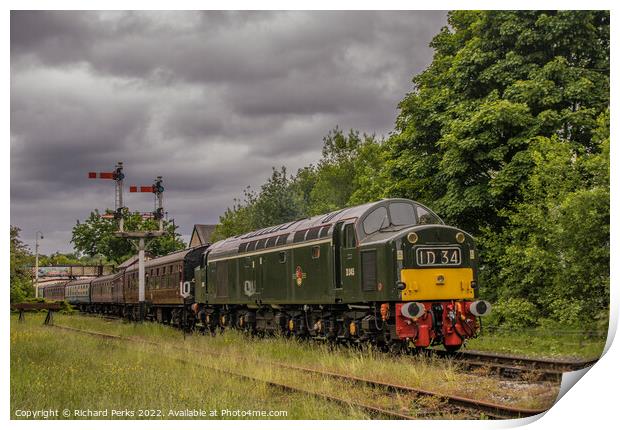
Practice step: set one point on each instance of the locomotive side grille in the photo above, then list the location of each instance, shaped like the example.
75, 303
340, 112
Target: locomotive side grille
369, 270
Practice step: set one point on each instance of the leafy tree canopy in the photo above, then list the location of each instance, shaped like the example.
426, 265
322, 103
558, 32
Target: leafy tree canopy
499, 81
95, 237
20, 275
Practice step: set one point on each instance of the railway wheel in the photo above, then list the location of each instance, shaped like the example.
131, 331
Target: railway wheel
452, 348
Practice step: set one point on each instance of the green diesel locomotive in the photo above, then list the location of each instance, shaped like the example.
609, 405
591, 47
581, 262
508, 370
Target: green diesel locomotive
390, 272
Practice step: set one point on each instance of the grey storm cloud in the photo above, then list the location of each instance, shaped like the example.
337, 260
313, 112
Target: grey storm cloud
209, 100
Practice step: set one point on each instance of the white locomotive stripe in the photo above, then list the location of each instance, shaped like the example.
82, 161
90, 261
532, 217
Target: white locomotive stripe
268, 250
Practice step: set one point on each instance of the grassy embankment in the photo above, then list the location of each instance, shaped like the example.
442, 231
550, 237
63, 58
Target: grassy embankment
541, 343
52, 368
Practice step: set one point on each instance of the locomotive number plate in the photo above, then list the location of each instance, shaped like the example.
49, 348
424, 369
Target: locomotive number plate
438, 256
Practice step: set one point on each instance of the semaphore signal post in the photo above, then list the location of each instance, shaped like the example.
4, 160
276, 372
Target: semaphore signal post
137, 238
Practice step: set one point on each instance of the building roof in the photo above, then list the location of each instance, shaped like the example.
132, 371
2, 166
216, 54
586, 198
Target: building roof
201, 234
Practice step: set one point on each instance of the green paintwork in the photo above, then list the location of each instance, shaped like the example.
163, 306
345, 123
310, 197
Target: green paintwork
261, 276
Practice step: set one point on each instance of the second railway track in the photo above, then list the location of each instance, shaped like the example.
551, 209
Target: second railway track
516, 367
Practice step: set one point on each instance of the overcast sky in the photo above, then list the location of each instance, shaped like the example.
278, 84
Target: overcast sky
210, 101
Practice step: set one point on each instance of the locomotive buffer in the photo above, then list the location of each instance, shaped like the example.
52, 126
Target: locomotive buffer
137, 238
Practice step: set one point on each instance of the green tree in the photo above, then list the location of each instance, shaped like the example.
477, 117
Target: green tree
334, 173
302, 185
498, 82
554, 251
505, 134
20, 275
236, 220
95, 237
277, 202
349, 172
370, 180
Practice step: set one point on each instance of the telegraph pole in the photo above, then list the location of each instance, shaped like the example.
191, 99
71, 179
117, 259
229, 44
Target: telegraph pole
137, 238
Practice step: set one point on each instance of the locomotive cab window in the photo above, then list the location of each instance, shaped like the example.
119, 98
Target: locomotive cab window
376, 220
426, 217
282, 257
402, 214
316, 252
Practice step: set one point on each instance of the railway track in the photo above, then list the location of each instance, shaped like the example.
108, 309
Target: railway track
503, 366
515, 367
466, 407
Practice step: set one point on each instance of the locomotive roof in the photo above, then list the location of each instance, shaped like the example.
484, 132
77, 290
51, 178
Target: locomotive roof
230, 246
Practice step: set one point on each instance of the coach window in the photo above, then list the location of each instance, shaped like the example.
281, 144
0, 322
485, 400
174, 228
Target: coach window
349, 236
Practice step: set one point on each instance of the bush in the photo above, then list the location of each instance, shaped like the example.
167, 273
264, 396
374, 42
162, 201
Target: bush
513, 313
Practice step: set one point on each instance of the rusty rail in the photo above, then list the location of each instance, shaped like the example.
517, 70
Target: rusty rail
490, 409
509, 366
347, 402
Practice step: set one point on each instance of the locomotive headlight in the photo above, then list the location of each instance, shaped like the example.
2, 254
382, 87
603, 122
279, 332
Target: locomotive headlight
480, 308
460, 237
412, 310
412, 237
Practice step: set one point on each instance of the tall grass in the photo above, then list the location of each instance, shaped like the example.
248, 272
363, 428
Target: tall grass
51, 368
541, 342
